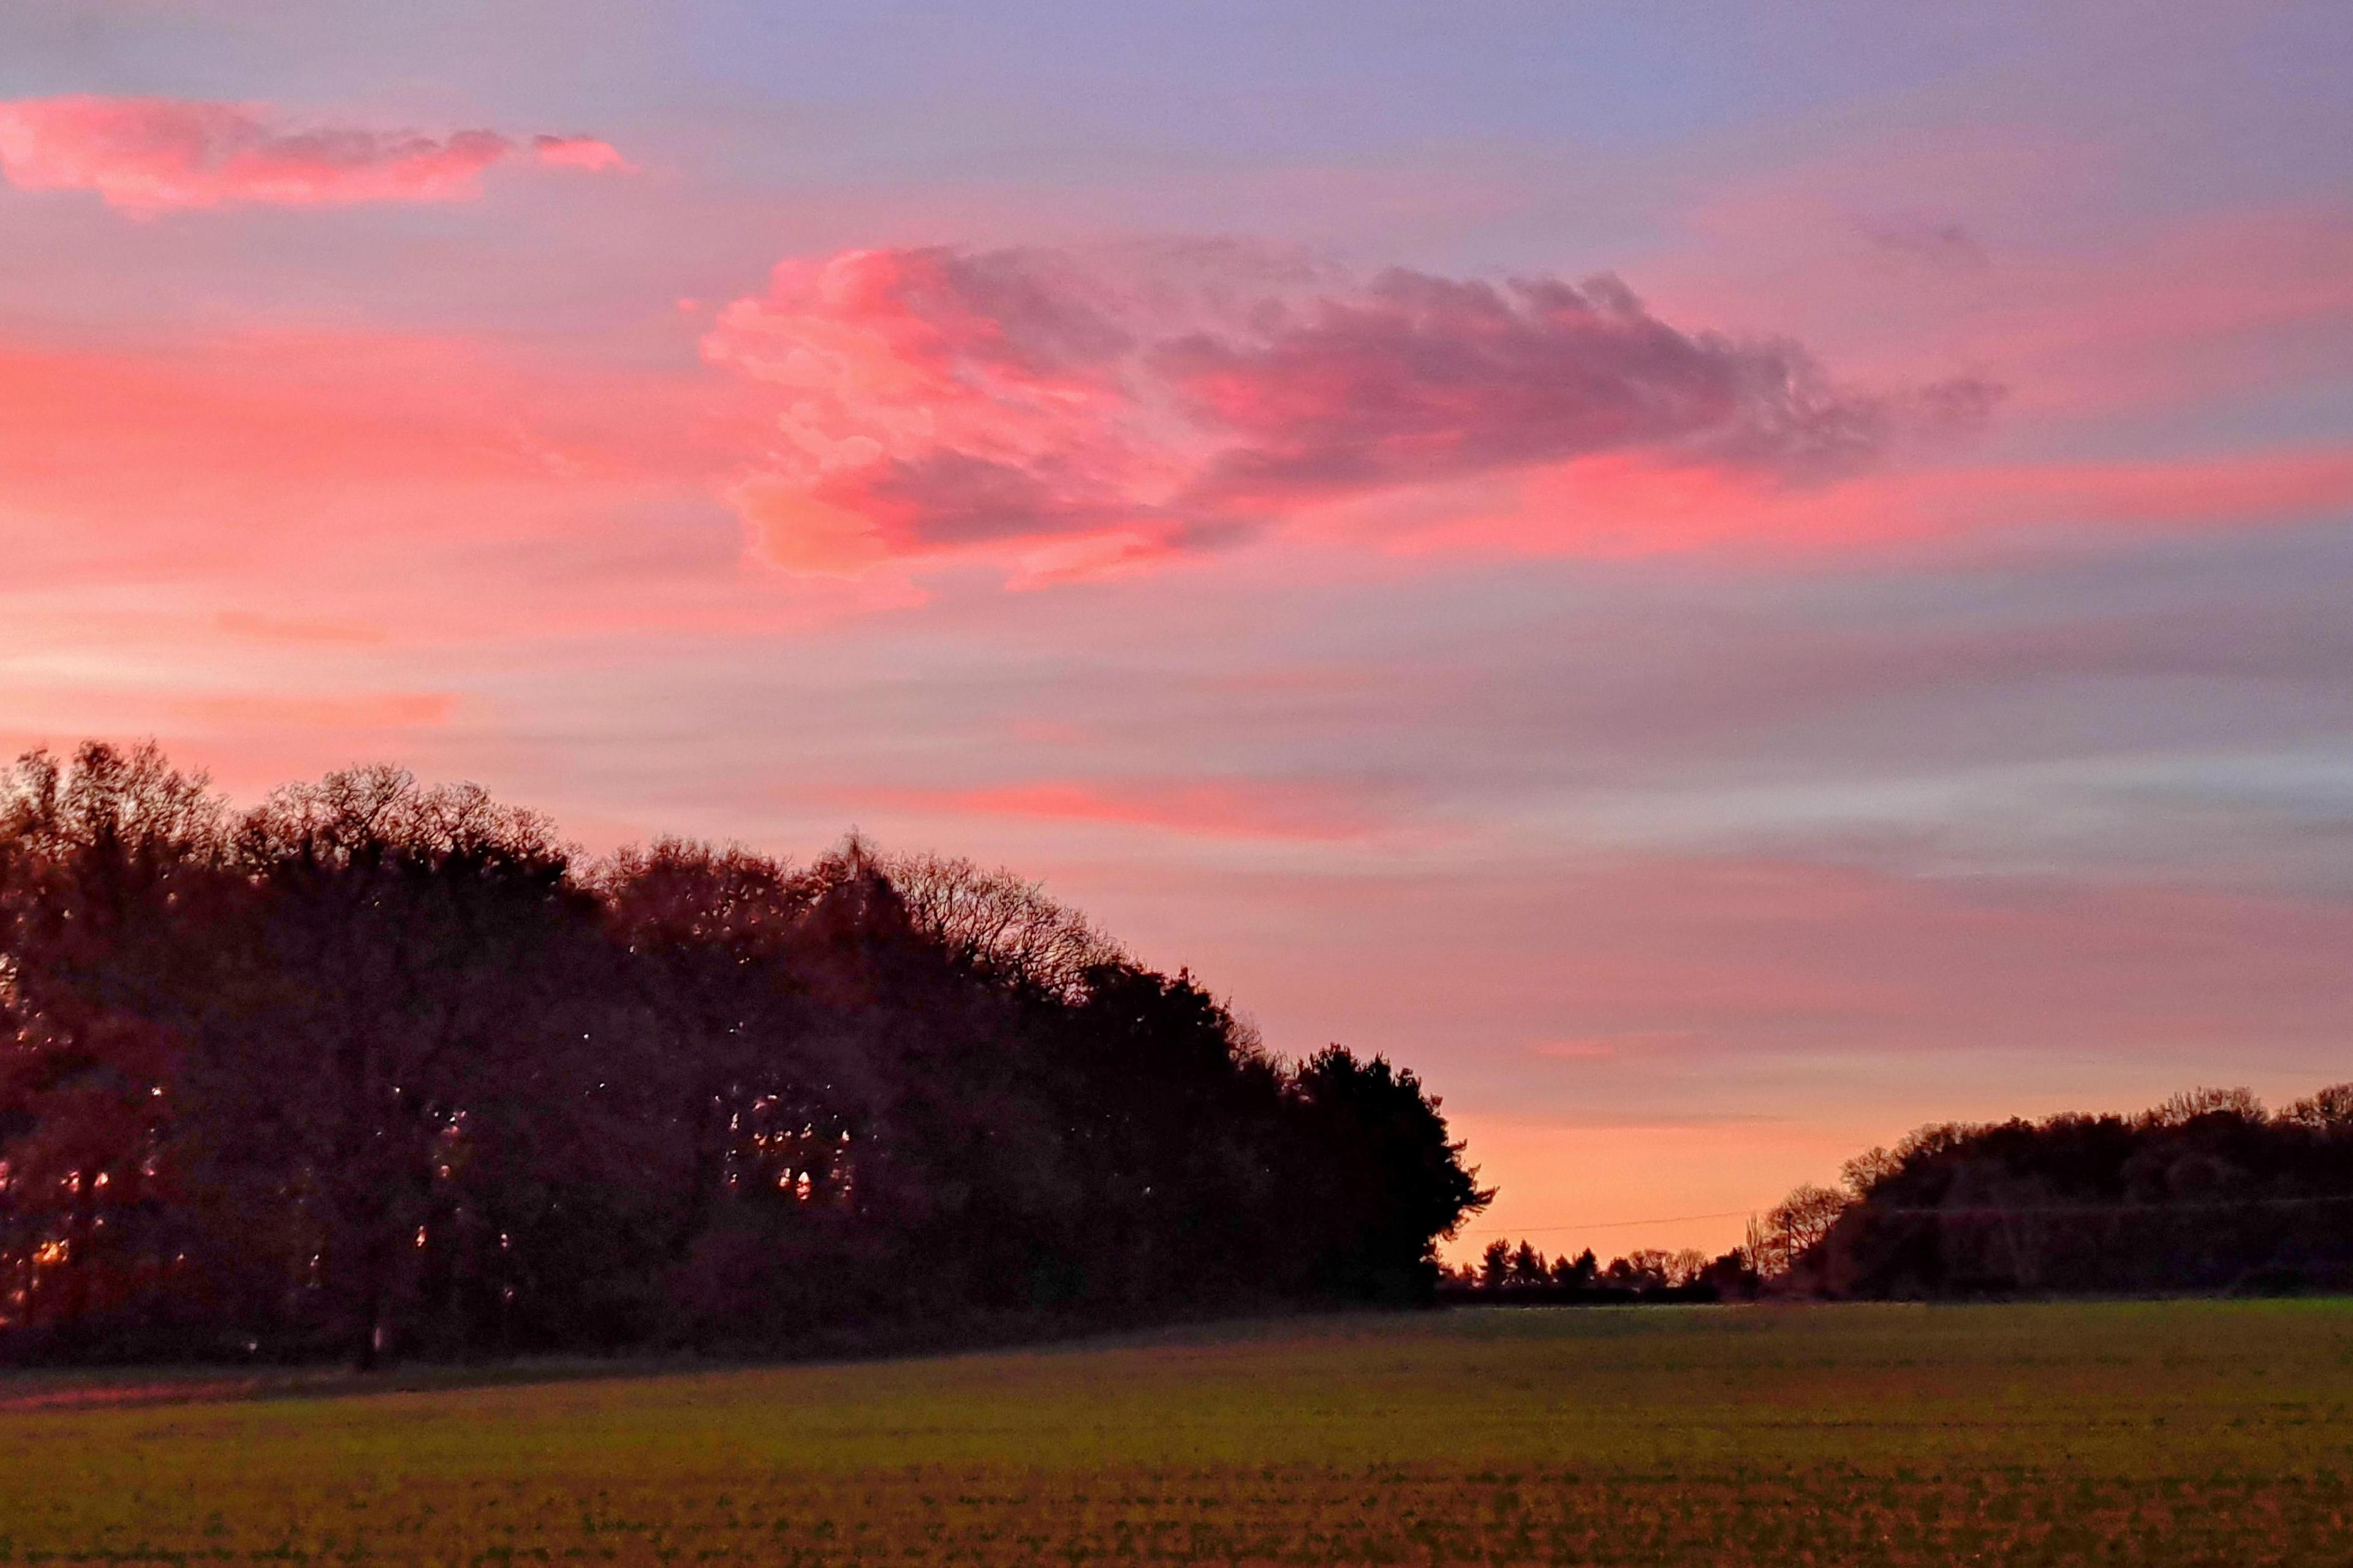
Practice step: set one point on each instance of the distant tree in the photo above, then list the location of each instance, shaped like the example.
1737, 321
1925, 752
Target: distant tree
1867, 1169
2189, 1106
1528, 1268
1577, 1273
2329, 1113
1732, 1276
1495, 1265
1796, 1227
2205, 1192
1645, 1271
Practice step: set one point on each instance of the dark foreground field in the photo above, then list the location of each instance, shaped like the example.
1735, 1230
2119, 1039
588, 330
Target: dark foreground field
2212, 1432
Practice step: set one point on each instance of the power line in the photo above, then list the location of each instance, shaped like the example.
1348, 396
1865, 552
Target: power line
1976, 1211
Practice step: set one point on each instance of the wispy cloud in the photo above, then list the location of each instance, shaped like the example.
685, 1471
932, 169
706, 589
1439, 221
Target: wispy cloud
1941, 243
155, 155
1314, 810
333, 710
1628, 505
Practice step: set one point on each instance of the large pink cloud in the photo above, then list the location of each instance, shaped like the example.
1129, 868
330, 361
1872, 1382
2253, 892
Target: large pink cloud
152, 154
1057, 414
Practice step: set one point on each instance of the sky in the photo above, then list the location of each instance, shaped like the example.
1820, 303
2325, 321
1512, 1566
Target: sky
1722, 581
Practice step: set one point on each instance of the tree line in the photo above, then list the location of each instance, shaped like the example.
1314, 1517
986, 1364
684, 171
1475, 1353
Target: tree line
375, 1070
1521, 1275
2208, 1192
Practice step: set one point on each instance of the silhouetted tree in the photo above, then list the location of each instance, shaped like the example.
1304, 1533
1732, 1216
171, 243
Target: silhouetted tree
415, 1049
1381, 1181
1796, 1227
1520, 1275
998, 924
1577, 1273
106, 866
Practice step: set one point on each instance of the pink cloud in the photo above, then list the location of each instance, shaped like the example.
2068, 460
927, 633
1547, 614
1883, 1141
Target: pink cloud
1059, 415
2213, 306
1617, 505
197, 699
1213, 809
581, 153
1610, 1048
348, 711
224, 433
1744, 956
312, 480
1412, 377
295, 629
153, 154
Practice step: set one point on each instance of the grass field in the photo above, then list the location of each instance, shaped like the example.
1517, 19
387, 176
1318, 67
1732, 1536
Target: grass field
2170, 1433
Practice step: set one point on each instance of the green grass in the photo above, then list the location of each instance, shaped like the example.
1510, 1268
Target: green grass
2162, 1433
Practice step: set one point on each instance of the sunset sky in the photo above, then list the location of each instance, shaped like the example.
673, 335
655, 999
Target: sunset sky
1722, 581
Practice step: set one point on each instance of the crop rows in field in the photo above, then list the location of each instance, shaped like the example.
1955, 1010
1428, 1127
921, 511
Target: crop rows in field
2195, 1433
1215, 1516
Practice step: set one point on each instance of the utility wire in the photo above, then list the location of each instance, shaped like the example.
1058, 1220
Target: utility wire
1977, 1211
